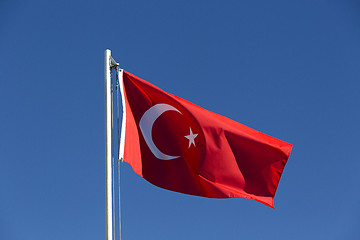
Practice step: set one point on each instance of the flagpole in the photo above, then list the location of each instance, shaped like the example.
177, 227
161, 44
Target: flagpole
108, 170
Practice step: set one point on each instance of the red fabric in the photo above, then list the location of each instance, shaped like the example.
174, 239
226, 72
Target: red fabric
224, 160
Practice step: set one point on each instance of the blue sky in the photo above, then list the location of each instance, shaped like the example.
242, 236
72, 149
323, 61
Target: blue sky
287, 68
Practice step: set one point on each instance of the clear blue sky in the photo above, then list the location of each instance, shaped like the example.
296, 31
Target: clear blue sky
287, 68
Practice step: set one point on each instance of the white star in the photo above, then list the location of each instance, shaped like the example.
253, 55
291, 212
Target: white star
191, 138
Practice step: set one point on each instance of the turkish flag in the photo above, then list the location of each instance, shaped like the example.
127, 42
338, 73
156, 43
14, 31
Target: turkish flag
177, 145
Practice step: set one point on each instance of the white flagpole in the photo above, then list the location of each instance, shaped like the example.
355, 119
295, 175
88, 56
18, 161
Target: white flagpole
108, 150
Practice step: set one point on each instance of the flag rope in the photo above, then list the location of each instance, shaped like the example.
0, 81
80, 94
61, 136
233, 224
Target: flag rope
115, 146
112, 151
118, 132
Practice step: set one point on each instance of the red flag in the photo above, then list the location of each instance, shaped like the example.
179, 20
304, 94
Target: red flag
177, 145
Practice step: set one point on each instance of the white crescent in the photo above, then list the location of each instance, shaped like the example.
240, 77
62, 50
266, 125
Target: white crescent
146, 124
